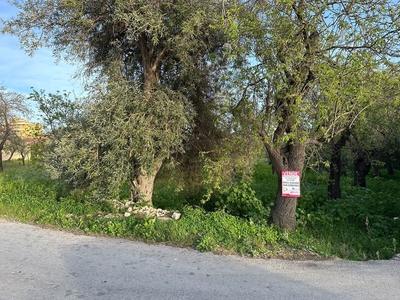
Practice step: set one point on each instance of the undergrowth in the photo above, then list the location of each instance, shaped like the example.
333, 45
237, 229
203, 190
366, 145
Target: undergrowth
364, 224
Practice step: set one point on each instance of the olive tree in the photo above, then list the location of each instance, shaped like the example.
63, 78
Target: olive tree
149, 44
116, 135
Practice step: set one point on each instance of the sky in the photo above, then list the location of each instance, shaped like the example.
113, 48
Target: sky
19, 72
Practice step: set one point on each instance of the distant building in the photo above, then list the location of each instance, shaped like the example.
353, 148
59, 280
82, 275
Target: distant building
24, 129
29, 132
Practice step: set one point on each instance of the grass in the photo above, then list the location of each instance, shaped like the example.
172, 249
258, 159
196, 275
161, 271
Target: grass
362, 225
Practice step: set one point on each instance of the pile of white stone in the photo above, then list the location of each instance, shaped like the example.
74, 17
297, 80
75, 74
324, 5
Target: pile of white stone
396, 257
128, 209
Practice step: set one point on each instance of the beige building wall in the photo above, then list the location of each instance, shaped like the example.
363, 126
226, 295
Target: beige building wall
24, 129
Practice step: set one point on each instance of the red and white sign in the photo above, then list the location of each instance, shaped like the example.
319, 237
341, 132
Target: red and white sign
291, 184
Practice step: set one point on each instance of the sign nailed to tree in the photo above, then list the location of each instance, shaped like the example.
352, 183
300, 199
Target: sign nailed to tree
291, 184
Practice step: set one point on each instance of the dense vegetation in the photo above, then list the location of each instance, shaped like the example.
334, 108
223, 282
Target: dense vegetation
218, 79
362, 225
217, 88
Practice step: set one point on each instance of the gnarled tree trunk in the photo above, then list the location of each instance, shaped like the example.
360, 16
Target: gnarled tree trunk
291, 157
142, 184
283, 212
142, 180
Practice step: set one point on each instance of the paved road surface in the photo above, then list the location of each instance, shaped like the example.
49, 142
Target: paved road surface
37, 263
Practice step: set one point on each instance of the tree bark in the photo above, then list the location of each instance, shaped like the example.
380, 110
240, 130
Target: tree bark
283, 213
376, 156
141, 180
361, 169
142, 185
335, 171
335, 167
291, 157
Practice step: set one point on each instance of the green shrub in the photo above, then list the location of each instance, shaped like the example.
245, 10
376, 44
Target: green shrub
241, 201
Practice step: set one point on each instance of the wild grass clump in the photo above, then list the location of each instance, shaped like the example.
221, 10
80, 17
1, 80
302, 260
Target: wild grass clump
29, 195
